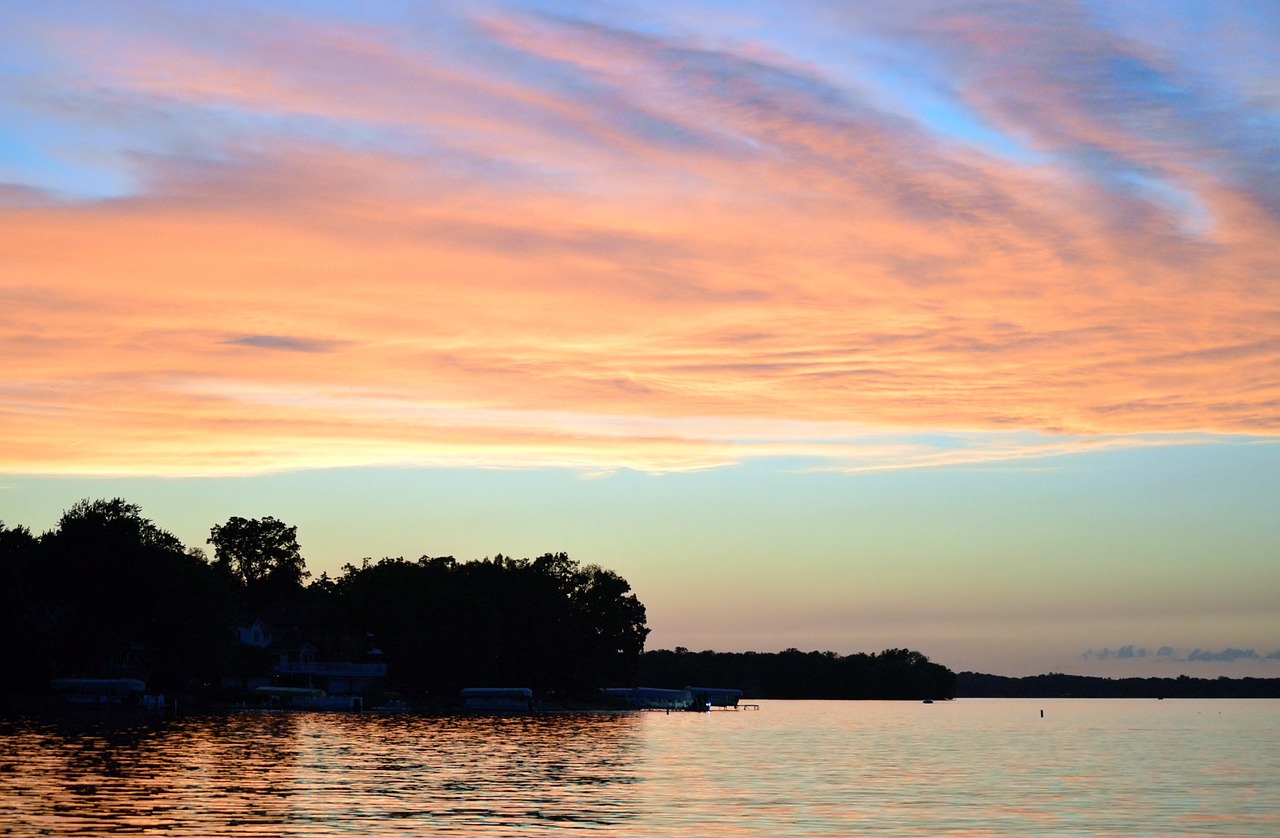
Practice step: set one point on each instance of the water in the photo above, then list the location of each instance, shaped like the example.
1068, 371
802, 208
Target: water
968, 767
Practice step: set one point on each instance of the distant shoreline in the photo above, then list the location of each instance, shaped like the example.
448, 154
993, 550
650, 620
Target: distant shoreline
1057, 685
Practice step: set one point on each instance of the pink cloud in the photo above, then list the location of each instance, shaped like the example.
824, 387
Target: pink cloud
641, 234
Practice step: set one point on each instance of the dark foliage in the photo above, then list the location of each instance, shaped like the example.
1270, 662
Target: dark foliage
892, 674
263, 556
24, 618
1057, 685
110, 594
547, 623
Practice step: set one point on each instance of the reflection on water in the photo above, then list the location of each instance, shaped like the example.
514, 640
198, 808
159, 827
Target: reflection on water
319, 773
794, 768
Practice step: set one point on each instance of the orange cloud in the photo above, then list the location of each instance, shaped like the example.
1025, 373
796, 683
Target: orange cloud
640, 253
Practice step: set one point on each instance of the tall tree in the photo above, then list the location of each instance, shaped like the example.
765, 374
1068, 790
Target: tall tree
21, 612
262, 554
120, 595
612, 621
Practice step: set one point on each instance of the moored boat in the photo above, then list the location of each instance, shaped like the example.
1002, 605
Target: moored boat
497, 699
648, 698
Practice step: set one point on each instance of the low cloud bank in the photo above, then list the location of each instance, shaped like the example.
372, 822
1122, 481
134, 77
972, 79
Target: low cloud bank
1169, 653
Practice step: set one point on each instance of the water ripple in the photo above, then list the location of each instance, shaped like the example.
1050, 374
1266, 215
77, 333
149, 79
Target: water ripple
794, 768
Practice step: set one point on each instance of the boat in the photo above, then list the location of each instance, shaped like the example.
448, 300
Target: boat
294, 697
117, 692
308, 698
709, 697
497, 699
648, 698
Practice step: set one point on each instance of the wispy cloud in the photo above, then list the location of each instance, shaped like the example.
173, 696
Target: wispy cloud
528, 238
284, 343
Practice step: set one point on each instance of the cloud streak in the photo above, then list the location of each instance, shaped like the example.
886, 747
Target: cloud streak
532, 240
283, 342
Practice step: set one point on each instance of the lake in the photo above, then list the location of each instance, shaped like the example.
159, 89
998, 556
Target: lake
792, 768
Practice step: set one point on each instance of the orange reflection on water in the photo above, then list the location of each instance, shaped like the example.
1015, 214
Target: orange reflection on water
795, 768
265, 773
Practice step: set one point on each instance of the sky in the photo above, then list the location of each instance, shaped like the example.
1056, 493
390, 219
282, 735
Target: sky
940, 324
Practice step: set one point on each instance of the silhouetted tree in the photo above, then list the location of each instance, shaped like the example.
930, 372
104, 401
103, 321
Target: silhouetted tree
122, 596
791, 673
611, 620
263, 555
1058, 685
109, 593
546, 623
21, 612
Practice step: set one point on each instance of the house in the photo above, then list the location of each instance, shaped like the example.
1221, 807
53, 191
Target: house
298, 663
334, 677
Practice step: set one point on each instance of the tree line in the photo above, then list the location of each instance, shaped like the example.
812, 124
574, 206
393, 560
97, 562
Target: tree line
893, 674
1058, 685
108, 593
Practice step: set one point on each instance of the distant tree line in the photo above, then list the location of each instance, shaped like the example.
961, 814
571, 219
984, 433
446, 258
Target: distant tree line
792, 674
107, 593
1057, 685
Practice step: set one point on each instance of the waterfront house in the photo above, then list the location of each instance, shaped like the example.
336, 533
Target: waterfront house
299, 663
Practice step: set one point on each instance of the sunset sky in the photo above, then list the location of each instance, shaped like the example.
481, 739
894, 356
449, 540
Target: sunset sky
944, 324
